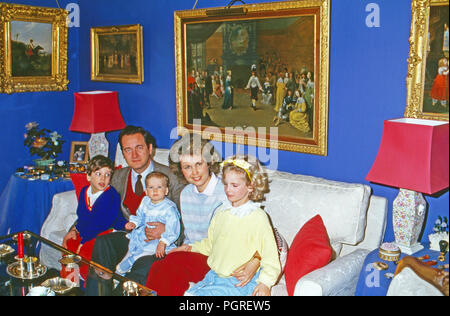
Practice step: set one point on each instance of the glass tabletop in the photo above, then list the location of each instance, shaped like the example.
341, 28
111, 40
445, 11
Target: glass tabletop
27, 276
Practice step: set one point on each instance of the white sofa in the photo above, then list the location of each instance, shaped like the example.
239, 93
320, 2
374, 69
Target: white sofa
355, 221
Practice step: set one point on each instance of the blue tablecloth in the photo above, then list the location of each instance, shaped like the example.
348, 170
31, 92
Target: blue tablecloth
25, 204
372, 282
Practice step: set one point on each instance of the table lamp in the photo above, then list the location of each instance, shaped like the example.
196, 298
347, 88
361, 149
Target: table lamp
97, 112
413, 156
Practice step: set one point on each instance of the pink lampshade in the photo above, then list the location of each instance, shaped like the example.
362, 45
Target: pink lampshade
96, 112
413, 155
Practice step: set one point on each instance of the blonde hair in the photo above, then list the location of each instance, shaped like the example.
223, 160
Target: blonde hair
158, 175
442, 62
254, 173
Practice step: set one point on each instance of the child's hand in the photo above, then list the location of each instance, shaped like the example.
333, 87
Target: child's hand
130, 226
161, 250
261, 290
72, 234
182, 248
246, 272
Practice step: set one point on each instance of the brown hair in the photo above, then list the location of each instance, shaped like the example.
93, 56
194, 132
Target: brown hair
99, 162
132, 130
193, 144
256, 176
158, 175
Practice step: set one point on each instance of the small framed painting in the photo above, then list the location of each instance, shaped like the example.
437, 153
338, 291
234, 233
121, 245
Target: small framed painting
116, 54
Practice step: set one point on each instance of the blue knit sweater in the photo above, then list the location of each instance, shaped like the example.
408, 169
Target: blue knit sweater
105, 214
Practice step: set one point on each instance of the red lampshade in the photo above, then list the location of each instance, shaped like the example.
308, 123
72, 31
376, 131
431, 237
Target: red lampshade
96, 112
413, 155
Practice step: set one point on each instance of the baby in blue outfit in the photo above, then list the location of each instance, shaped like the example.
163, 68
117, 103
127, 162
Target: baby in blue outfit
155, 207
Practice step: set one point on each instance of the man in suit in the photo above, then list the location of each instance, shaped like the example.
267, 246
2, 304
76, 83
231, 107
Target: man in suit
137, 146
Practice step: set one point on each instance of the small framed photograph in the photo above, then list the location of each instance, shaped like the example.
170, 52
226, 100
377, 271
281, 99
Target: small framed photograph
79, 152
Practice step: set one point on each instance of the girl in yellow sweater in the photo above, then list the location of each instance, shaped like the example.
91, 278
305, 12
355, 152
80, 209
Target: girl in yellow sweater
238, 229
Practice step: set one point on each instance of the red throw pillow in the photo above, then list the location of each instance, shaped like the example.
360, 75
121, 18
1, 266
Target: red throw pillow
79, 181
309, 251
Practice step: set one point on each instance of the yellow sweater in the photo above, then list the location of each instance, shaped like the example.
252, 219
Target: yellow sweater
233, 240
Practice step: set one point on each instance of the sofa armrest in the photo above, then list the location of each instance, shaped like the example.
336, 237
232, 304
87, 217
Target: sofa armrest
338, 278
62, 214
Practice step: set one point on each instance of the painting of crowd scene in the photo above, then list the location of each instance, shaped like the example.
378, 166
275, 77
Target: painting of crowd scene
117, 54
436, 90
257, 73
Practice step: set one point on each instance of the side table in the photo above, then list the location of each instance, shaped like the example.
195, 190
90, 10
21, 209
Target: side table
25, 204
373, 282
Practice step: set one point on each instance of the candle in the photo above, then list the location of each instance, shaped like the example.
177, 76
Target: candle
20, 245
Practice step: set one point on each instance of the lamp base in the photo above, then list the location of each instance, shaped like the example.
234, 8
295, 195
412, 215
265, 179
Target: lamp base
98, 145
409, 250
408, 217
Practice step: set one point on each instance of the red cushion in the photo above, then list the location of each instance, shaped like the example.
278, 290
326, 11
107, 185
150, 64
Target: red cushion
309, 251
79, 181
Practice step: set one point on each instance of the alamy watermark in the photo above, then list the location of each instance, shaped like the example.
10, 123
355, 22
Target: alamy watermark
234, 137
73, 18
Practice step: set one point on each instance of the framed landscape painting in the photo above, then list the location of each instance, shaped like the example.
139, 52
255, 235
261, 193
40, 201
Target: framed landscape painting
428, 62
259, 78
116, 54
33, 49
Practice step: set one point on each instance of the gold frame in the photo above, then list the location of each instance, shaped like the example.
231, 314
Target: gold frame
415, 79
136, 29
57, 18
318, 143
72, 151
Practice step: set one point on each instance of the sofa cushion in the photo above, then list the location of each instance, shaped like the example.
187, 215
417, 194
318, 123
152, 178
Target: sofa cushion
309, 251
294, 199
79, 181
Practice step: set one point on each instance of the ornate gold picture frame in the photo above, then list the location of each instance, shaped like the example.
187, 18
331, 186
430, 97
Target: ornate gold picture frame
33, 49
285, 45
116, 54
428, 67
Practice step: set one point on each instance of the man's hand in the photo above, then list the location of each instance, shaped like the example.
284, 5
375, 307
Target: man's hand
246, 272
155, 232
72, 234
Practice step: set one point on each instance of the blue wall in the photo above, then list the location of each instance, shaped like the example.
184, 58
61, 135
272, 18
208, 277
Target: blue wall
52, 110
368, 69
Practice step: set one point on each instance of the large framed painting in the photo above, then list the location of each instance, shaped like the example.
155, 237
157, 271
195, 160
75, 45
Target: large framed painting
33, 48
427, 79
116, 54
259, 78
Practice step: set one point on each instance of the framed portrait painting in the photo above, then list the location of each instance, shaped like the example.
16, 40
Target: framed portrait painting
116, 54
33, 49
428, 62
257, 78
79, 152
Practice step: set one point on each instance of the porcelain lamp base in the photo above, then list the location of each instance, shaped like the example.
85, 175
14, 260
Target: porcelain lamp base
408, 217
98, 145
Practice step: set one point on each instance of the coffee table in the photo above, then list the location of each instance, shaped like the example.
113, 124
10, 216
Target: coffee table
15, 282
